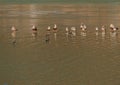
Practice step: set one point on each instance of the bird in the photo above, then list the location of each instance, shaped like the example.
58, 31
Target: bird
113, 28
103, 28
55, 28
67, 30
13, 28
96, 29
83, 27
34, 31
48, 29
73, 31
34, 28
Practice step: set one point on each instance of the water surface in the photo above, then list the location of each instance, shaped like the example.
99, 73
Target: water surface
85, 59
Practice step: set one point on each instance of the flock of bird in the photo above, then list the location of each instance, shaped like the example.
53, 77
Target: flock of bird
68, 31
83, 28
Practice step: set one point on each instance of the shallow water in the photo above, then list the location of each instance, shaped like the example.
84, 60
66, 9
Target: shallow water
90, 58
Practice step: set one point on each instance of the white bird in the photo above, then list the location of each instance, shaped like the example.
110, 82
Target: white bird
73, 28
67, 29
13, 28
48, 28
83, 27
103, 28
113, 28
55, 28
96, 28
73, 31
34, 28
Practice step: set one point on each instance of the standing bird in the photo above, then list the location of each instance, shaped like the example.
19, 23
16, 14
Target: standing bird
67, 30
34, 28
13, 34
48, 29
83, 27
96, 29
103, 32
13, 28
55, 28
113, 28
34, 31
73, 30
103, 28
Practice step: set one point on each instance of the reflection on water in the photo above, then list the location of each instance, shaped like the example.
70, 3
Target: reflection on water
114, 38
96, 33
83, 33
65, 56
103, 35
47, 38
14, 37
55, 36
113, 34
13, 34
34, 34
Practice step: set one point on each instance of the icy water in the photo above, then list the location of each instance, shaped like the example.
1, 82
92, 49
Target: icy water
90, 58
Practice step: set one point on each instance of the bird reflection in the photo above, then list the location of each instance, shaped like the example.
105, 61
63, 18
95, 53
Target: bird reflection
96, 33
47, 36
13, 38
103, 35
55, 36
113, 37
83, 34
34, 34
113, 34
